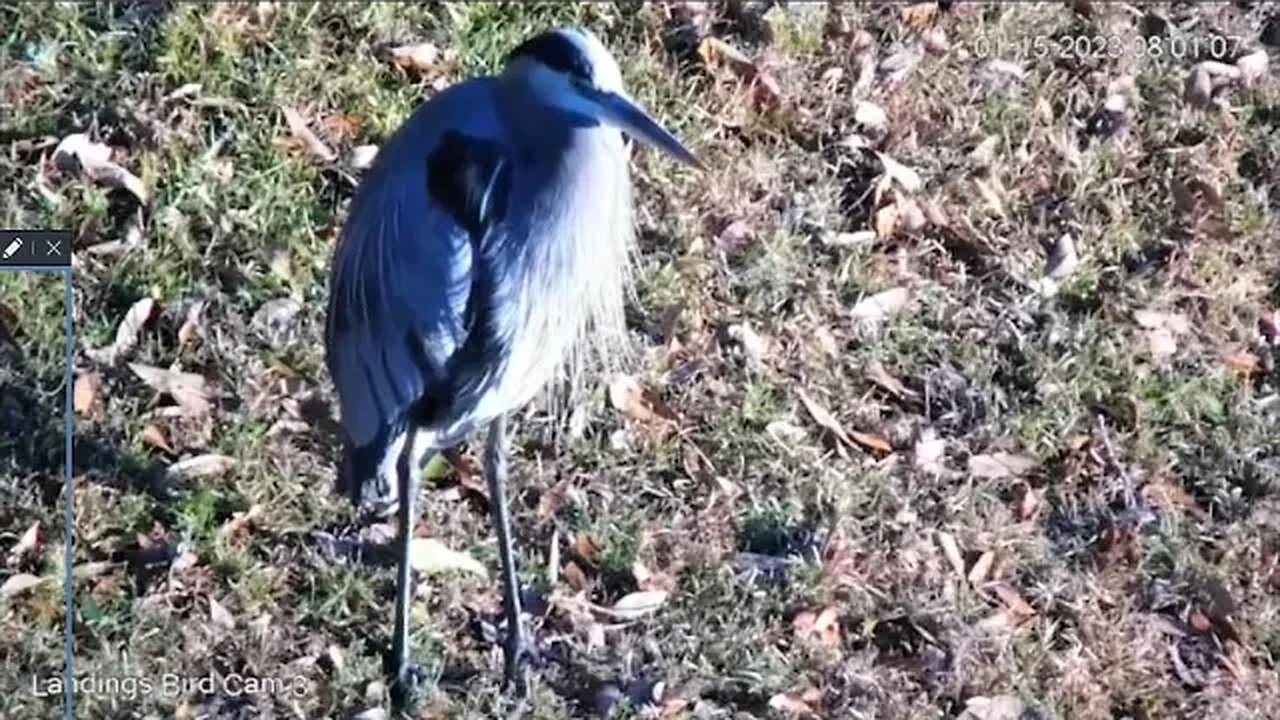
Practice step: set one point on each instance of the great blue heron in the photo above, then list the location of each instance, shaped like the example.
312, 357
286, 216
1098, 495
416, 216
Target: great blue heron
488, 241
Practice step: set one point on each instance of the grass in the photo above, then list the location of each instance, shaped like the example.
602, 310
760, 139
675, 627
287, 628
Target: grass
1127, 569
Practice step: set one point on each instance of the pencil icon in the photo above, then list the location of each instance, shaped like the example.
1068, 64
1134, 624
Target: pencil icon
12, 248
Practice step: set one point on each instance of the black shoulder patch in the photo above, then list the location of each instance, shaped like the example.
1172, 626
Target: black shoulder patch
558, 52
470, 179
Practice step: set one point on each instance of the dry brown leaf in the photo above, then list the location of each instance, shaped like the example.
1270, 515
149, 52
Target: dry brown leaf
876, 307
1162, 331
1011, 598
238, 526
155, 437
1198, 90
871, 441
300, 131
85, 394
714, 51
77, 151
1244, 364
192, 326
799, 704
418, 57
574, 576
824, 418
997, 707
633, 606
93, 569
140, 313
1029, 503
587, 549
907, 178
428, 557
18, 584
978, 573
886, 221
754, 346
951, 551
200, 466
930, 453
1063, 259
921, 15
1170, 497
823, 627
220, 616
999, 465
1252, 67
877, 373
189, 390
27, 543
638, 402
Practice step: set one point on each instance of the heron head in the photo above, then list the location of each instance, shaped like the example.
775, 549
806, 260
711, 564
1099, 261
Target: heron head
572, 71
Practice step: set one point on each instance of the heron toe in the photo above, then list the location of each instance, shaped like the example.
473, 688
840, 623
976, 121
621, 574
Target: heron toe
520, 653
406, 689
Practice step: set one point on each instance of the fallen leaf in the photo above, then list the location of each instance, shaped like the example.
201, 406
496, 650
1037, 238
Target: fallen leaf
362, 157
1011, 598
429, 557
220, 616
1162, 331
127, 333
189, 390
27, 543
1063, 259
796, 703
999, 465
951, 551
638, 402
1198, 89
906, 177
849, 239
871, 441
714, 51
238, 526
930, 451
753, 345
910, 216
78, 152
1029, 503
978, 573
200, 466
886, 221
303, 134
19, 583
575, 577
876, 307
92, 569
154, 436
824, 627
935, 41
636, 605
1244, 364
1252, 67
85, 394
881, 377
734, 237
824, 418
997, 707
919, 16
870, 116
1170, 497
192, 326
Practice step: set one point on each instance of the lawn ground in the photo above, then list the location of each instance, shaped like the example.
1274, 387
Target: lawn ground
957, 391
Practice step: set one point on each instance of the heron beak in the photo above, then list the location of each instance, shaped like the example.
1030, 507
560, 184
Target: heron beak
623, 113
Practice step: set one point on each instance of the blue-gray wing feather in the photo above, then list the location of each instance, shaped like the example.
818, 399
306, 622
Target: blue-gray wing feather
407, 288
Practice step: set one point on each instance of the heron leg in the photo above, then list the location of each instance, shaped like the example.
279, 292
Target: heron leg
404, 673
517, 649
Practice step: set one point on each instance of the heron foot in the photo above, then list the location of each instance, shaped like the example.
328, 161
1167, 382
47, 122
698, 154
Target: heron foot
519, 653
407, 685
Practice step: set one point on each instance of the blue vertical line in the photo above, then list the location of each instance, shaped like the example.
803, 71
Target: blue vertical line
68, 429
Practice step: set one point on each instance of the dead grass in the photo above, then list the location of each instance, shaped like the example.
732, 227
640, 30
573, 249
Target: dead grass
1060, 499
